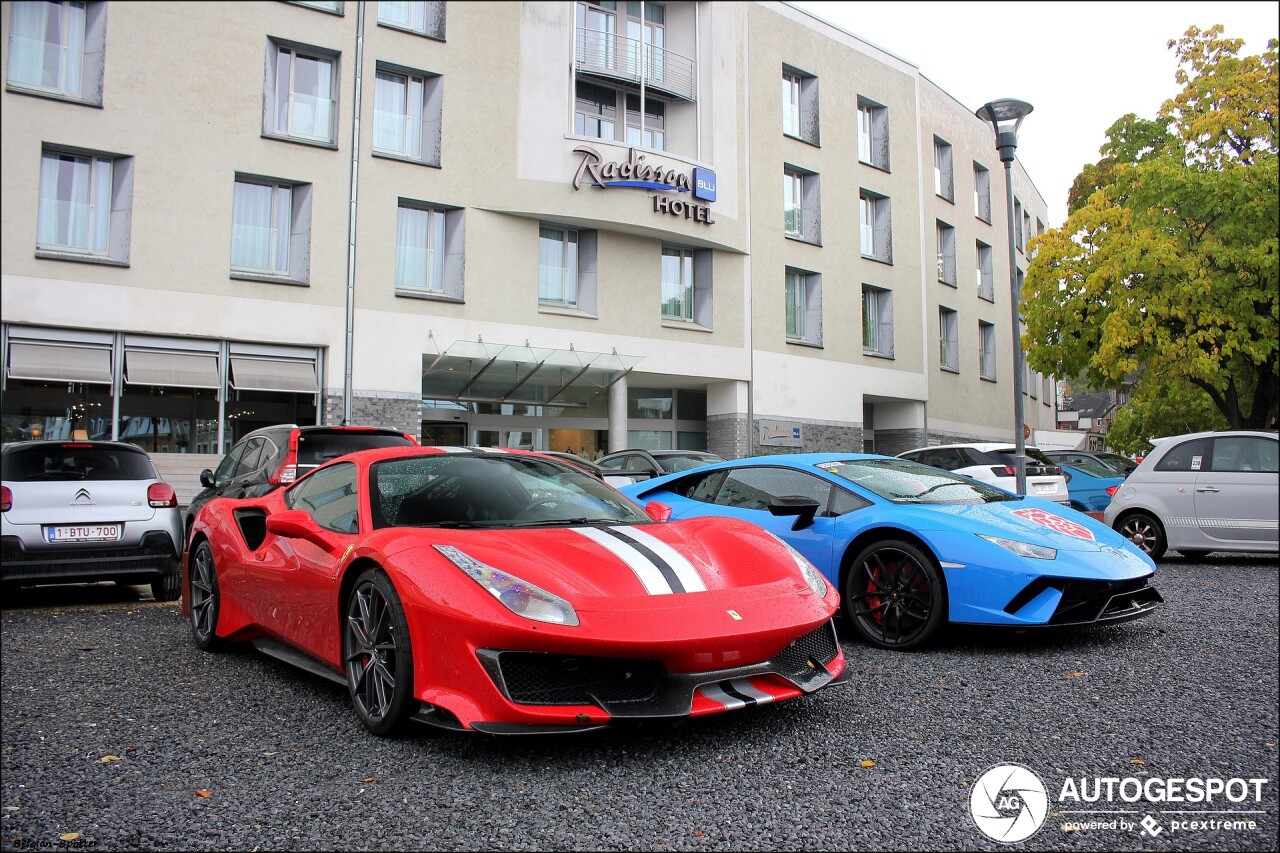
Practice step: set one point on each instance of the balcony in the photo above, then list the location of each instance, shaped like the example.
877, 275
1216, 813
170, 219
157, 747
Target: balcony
617, 59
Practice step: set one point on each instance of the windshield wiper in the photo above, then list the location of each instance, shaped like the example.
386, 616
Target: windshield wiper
568, 522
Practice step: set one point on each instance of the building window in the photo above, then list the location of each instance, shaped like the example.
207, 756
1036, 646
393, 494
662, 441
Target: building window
800, 105
58, 49
333, 7
86, 203
1017, 223
800, 203
877, 321
1026, 227
406, 115
876, 226
986, 281
299, 102
558, 266
270, 230
982, 193
949, 340
596, 111
429, 250
804, 307
655, 123
423, 18
987, 357
873, 134
686, 285
944, 180
946, 253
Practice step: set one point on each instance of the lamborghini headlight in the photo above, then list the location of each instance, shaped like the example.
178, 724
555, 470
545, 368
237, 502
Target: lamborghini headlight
518, 596
1023, 549
808, 571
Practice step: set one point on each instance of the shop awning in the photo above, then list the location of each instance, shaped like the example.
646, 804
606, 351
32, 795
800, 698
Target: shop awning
59, 363
172, 369
262, 374
508, 373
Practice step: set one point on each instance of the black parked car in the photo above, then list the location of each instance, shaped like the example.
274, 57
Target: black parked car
643, 464
1122, 465
275, 456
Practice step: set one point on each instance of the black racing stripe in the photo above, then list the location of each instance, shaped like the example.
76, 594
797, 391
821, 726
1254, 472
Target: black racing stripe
727, 687
668, 573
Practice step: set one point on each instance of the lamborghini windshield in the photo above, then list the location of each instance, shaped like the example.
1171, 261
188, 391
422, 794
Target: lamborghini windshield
905, 482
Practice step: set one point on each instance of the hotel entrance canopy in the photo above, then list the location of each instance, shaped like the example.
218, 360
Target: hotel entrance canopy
474, 371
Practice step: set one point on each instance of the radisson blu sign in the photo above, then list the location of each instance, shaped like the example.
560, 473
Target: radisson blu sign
635, 173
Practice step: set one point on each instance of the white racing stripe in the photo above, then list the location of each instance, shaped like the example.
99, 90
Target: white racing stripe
742, 695
648, 573
684, 570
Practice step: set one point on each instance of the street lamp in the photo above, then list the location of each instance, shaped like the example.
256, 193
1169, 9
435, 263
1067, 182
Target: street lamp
1006, 117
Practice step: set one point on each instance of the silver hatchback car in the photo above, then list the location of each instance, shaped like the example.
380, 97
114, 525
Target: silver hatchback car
1202, 492
74, 511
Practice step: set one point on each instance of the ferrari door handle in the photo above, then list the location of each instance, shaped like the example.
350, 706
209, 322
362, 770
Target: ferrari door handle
1208, 489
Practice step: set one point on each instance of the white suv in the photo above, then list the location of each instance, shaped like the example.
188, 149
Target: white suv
993, 462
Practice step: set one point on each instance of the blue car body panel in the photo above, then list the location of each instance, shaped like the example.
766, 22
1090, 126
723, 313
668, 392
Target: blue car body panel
983, 579
1088, 490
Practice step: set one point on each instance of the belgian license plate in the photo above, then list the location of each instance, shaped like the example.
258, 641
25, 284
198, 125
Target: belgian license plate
1042, 487
84, 533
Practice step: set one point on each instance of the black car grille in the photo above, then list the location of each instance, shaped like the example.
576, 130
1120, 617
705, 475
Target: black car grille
807, 657
535, 678
1083, 600
150, 558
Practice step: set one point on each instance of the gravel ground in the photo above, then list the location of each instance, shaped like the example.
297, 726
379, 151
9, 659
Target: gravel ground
116, 729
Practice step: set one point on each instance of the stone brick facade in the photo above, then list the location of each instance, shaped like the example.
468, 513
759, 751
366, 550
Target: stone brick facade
387, 411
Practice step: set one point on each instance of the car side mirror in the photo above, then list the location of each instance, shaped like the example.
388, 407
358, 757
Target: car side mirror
206, 478
658, 511
297, 524
803, 508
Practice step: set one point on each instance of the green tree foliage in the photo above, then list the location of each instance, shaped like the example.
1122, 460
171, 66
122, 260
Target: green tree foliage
1167, 267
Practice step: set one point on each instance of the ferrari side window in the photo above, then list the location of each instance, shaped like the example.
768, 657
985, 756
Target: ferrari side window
329, 496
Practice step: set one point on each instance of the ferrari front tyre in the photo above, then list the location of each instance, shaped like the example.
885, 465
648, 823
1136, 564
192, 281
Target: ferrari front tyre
894, 595
168, 587
1144, 531
377, 655
205, 599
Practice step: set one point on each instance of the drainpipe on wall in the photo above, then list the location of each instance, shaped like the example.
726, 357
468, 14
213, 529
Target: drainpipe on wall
351, 218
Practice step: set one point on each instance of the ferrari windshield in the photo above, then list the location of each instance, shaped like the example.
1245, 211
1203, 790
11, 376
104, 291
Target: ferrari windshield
499, 490
905, 482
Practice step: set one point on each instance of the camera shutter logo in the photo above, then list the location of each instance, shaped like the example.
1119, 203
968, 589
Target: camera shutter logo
1009, 803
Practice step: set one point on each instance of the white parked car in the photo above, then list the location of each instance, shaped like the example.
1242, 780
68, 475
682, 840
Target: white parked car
1202, 492
993, 462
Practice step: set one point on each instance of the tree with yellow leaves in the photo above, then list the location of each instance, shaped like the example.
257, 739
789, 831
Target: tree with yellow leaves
1165, 279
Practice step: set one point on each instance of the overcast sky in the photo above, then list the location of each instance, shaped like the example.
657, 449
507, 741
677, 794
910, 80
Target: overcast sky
1081, 65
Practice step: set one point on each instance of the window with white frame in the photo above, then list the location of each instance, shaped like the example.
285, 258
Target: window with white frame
58, 49
430, 239
944, 180
1017, 223
1033, 382
86, 202
946, 253
301, 91
948, 339
800, 203
406, 114
1026, 227
987, 355
982, 192
655, 123
873, 134
876, 226
595, 111
986, 280
877, 321
270, 230
333, 7
423, 18
558, 266
686, 285
800, 104
804, 306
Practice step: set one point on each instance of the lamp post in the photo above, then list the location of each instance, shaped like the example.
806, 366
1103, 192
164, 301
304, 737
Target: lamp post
1006, 117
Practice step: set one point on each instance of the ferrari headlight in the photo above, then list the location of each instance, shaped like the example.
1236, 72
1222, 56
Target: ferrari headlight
1023, 549
518, 596
808, 571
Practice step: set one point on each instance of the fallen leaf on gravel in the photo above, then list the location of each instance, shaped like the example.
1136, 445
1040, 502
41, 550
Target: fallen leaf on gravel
268, 754
1136, 761
698, 833
367, 779
68, 836
1074, 674
866, 763
201, 792
107, 758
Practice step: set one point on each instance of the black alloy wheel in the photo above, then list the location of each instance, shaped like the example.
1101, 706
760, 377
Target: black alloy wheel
894, 595
205, 599
377, 654
1145, 532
